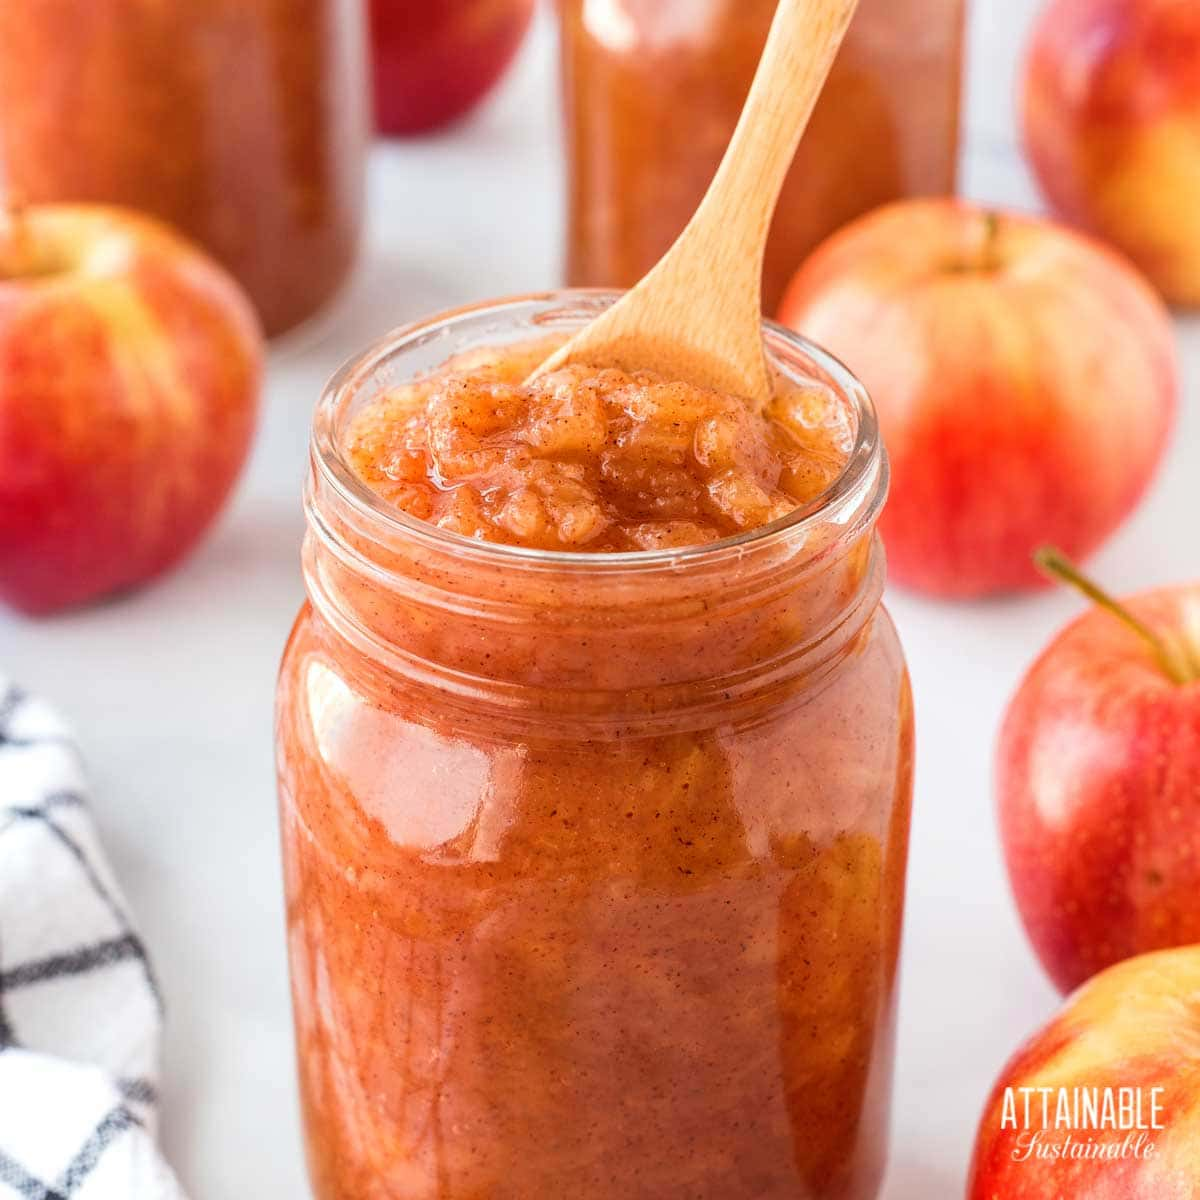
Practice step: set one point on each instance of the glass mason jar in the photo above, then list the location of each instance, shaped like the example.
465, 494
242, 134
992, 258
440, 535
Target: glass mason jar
242, 122
594, 862
652, 92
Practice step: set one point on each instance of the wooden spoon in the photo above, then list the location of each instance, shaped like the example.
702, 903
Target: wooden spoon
697, 316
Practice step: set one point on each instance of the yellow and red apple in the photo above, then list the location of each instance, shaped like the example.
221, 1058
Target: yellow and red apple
1112, 128
1025, 379
129, 378
434, 60
1098, 783
1113, 1091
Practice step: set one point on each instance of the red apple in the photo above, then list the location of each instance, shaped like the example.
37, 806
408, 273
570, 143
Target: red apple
1098, 783
1112, 127
129, 375
434, 60
1111, 1085
1025, 380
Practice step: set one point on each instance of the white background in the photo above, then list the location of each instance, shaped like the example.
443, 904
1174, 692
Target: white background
171, 689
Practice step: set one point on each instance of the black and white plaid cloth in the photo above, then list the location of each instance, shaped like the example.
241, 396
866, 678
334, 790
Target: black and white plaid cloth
80, 1014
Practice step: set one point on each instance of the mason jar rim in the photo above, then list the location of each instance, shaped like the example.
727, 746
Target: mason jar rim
860, 488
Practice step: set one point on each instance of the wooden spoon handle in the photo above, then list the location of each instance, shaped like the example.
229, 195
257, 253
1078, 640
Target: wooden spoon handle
697, 315
803, 42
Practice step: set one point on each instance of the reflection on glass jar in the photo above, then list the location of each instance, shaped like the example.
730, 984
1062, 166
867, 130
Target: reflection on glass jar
594, 863
243, 124
653, 89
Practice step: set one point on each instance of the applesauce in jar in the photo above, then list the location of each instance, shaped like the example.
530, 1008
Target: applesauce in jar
653, 89
241, 122
595, 761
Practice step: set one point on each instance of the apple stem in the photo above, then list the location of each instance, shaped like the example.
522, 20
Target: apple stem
1173, 660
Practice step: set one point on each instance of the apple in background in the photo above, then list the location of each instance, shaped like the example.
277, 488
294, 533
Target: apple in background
1025, 380
1098, 782
1136, 1027
129, 378
434, 60
1112, 128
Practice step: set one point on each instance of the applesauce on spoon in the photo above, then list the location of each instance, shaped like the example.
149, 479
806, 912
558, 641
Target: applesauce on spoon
594, 750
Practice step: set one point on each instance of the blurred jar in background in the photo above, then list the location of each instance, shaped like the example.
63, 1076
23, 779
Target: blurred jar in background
242, 122
652, 92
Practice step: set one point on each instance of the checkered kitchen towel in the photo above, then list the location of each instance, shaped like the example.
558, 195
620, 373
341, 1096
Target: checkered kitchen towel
79, 1011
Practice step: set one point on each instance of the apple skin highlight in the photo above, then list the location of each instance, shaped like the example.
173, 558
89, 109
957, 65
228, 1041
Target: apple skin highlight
1098, 792
129, 379
1111, 122
435, 60
1025, 379
1125, 1029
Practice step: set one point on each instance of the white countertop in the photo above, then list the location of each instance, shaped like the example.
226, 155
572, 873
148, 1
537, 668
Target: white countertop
171, 689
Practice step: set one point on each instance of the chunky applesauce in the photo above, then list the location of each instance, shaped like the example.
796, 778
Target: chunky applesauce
594, 816
593, 460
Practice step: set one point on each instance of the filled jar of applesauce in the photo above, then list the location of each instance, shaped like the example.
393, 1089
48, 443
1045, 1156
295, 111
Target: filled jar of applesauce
653, 90
241, 122
595, 760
